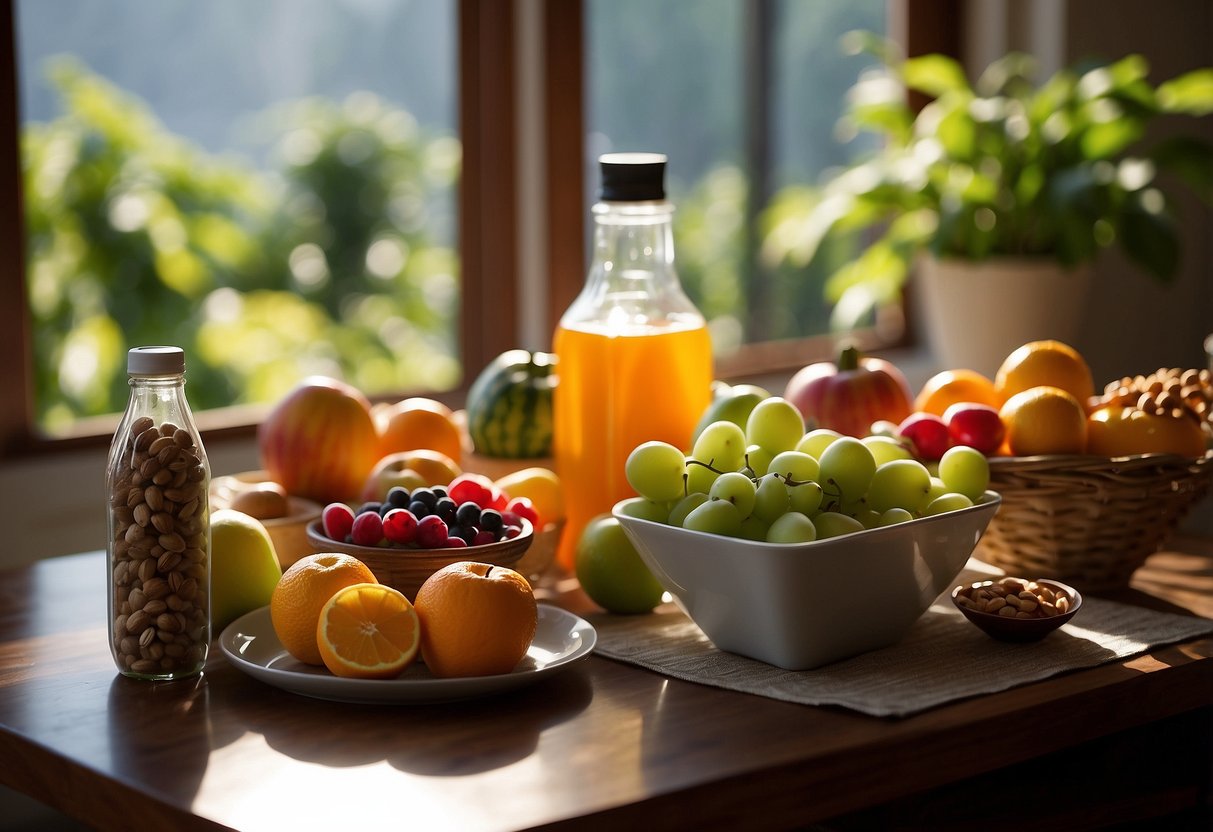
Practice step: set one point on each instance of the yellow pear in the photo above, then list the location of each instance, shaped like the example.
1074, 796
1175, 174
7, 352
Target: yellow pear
244, 566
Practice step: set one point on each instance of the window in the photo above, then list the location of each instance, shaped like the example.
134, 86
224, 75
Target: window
490, 76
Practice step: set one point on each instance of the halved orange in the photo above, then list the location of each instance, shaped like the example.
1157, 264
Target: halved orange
368, 631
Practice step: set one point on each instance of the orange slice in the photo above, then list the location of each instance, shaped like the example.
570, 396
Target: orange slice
368, 631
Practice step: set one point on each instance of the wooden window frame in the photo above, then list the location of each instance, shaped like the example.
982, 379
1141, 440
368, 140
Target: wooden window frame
488, 192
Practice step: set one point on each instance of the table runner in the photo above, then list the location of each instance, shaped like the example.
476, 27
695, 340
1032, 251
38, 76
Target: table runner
942, 659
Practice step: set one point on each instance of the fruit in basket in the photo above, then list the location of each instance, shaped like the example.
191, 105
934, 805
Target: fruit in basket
368, 631
850, 396
1167, 390
476, 619
975, 425
950, 387
1044, 420
244, 566
509, 405
301, 593
1045, 363
418, 423
1114, 430
319, 441
610, 569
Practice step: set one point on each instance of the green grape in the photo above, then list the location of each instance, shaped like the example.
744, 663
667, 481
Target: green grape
886, 449
938, 489
714, 517
869, 518
678, 514
947, 502
771, 499
737, 488
758, 459
965, 470
722, 444
699, 477
775, 424
796, 466
753, 528
792, 527
894, 516
833, 524
901, 483
655, 470
806, 498
644, 509
847, 467
816, 441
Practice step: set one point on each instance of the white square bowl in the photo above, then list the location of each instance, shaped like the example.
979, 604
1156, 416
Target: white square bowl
804, 605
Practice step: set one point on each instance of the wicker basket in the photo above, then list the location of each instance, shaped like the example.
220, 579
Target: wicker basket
1086, 520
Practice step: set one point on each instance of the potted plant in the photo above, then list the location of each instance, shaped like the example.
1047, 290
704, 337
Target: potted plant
999, 184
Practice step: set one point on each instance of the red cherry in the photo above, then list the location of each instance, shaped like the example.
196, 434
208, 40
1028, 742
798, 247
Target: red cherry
431, 532
523, 507
400, 526
456, 543
928, 432
367, 529
483, 538
976, 425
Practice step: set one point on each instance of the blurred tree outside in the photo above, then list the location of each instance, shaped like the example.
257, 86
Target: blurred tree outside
327, 263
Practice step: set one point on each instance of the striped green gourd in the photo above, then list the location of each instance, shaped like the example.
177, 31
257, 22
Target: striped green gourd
509, 406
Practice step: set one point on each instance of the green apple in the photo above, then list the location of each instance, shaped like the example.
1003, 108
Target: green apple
733, 405
244, 566
610, 569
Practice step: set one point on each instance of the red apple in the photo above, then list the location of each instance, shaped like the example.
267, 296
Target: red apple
976, 425
319, 441
850, 396
928, 432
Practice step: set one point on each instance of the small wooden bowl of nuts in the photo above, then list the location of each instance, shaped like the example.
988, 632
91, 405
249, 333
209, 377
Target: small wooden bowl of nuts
1017, 609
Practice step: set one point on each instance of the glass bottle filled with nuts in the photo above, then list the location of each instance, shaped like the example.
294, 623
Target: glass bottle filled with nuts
159, 547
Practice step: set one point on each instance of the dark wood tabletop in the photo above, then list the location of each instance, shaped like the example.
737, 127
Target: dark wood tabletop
599, 745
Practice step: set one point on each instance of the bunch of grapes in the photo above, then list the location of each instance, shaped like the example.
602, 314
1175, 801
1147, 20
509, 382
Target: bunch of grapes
774, 482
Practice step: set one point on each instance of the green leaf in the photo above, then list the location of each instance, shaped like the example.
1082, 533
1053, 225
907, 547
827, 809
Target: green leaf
1191, 94
1106, 139
881, 268
934, 75
1149, 237
1190, 159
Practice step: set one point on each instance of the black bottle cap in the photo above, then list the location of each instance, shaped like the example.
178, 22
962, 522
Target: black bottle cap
632, 177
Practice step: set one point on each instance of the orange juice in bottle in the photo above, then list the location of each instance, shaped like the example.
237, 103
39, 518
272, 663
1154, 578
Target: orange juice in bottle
635, 360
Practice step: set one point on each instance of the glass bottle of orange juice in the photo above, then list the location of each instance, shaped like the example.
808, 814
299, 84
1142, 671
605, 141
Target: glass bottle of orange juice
635, 360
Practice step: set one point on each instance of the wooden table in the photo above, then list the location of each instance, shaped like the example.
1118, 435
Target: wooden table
601, 745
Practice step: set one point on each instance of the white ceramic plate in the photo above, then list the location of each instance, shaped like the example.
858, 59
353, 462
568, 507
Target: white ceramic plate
249, 642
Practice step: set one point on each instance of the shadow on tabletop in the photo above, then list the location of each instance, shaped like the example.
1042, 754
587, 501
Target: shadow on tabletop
471, 735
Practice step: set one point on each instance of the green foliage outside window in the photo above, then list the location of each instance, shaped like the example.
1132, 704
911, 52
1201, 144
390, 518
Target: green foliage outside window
339, 260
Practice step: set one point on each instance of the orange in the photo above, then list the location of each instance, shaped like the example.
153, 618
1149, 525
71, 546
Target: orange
418, 422
301, 594
1049, 363
950, 387
368, 631
476, 619
1044, 420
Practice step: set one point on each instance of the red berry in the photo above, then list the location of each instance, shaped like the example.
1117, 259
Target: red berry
470, 488
337, 520
368, 529
456, 543
400, 526
976, 425
483, 538
928, 432
431, 532
511, 518
512, 531
523, 507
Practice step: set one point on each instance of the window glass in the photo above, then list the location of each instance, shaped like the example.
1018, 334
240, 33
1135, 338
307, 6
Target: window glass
687, 79
270, 185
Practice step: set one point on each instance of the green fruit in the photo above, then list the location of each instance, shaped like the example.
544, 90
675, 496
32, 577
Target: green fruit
610, 569
244, 567
509, 405
731, 406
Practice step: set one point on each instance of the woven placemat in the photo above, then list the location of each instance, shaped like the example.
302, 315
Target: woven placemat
942, 659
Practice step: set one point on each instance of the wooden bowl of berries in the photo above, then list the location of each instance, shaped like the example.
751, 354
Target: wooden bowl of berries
411, 535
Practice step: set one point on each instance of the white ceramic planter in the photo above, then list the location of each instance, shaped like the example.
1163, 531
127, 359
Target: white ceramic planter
975, 314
